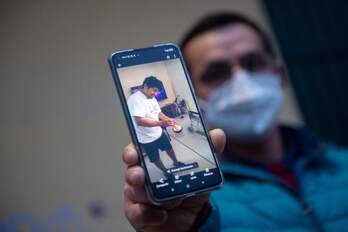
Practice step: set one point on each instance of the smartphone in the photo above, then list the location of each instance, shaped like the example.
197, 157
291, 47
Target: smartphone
165, 122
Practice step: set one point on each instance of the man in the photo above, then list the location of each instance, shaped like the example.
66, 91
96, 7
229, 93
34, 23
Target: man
276, 178
149, 120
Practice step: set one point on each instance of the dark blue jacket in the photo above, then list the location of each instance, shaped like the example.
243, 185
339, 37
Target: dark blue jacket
253, 199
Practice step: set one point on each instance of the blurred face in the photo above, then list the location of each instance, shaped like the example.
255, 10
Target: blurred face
215, 56
150, 92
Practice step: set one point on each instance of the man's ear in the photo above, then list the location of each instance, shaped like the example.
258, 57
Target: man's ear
281, 71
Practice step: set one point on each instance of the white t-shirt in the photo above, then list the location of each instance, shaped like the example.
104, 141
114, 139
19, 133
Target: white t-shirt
141, 106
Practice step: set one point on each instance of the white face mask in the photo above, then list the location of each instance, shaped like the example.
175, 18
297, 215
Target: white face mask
246, 106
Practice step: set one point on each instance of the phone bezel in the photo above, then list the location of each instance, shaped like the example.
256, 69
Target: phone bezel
132, 131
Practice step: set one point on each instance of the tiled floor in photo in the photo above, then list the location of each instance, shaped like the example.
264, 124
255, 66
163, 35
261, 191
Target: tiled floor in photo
188, 146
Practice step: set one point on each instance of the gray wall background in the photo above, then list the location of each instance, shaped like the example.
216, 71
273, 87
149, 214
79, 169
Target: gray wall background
61, 125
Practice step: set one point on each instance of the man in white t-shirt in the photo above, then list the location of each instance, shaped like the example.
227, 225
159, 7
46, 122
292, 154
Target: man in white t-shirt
149, 120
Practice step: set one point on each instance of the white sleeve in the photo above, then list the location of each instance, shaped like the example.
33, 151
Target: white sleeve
137, 107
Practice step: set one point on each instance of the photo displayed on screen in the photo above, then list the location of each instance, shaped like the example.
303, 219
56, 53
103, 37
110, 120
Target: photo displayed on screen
166, 121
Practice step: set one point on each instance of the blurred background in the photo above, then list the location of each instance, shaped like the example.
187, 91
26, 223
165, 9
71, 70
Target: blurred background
61, 125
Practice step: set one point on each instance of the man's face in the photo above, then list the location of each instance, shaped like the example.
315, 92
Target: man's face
216, 56
150, 92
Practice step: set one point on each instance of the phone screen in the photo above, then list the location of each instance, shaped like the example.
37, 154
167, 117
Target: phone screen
165, 121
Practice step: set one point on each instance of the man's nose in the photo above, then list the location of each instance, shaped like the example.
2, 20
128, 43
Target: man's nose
235, 69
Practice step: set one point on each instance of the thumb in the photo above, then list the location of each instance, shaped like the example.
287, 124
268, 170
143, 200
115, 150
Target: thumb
219, 140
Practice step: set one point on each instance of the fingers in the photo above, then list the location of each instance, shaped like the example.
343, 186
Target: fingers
129, 155
139, 195
135, 176
135, 194
219, 139
170, 122
171, 205
137, 209
141, 215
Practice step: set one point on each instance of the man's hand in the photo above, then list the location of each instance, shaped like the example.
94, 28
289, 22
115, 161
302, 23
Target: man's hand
165, 120
168, 122
176, 216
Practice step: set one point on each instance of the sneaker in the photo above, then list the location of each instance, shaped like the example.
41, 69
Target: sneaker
179, 164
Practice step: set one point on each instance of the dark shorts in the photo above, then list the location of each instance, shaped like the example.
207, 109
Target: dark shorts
151, 149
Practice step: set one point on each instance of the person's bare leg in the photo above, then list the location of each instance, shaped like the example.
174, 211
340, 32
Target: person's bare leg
160, 165
172, 155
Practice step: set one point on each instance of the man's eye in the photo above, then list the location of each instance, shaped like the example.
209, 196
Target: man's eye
216, 71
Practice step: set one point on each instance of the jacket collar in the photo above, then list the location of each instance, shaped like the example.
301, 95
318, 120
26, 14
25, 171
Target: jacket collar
304, 150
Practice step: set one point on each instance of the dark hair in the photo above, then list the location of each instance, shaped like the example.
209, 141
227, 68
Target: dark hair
220, 19
152, 81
